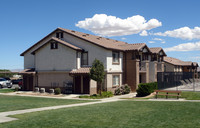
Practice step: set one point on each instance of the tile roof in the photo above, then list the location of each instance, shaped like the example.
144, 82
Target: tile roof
61, 42
83, 70
28, 71
157, 50
178, 62
101, 41
136, 46
97, 40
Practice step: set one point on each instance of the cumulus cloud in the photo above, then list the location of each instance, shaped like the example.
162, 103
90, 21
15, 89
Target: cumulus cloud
123, 38
184, 47
105, 25
183, 33
151, 42
144, 33
159, 39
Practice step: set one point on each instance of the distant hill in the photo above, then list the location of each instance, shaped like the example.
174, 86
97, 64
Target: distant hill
16, 70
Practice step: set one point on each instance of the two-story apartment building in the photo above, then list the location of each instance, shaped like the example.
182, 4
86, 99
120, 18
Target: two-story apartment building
176, 65
64, 57
156, 64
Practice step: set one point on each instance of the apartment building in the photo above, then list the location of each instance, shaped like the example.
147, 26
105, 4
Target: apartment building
176, 65
63, 58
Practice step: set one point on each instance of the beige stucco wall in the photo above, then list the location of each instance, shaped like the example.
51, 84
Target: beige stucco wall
29, 61
114, 67
169, 67
63, 58
109, 81
153, 71
47, 79
94, 51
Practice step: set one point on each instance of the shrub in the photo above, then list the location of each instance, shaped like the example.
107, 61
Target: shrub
145, 89
124, 89
16, 89
57, 91
84, 96
107, 94
118, 91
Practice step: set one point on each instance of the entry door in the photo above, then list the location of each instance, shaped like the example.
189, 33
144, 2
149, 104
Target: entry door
86, 84
77, 89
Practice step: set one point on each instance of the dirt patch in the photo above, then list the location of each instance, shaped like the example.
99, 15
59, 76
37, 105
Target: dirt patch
40, 94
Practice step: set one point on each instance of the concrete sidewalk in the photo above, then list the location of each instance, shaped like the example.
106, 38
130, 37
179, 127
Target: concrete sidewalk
4, 118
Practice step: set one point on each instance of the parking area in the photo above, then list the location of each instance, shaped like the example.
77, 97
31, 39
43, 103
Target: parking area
13, 86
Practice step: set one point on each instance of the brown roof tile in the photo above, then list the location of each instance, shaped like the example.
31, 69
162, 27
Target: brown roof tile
136, 46
97, 40
59, 41
28, 71
83, 70
178, 62
156, 50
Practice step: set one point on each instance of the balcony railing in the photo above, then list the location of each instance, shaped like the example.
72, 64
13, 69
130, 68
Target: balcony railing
142, 66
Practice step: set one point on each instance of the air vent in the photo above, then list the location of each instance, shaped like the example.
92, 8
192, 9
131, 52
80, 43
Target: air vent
99, 38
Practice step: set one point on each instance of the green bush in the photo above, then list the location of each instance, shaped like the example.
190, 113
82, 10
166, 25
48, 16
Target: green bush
57, 91
145, 89
107, 94
118, 91
16, 89
124, 89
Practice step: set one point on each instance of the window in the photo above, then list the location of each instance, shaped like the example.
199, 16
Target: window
115, 56
116, 80
54, 45
59, 35
144, 56
84, 58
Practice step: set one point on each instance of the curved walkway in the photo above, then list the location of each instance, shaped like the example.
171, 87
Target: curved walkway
4, 115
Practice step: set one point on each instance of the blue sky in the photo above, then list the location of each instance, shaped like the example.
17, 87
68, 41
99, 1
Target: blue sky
24, 22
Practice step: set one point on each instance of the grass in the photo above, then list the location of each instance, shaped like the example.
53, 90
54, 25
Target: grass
186, 95
10, 103
191, 95
7, 90
121, 114
98, 96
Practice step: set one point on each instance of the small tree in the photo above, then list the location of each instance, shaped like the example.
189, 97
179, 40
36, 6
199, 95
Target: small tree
97, 73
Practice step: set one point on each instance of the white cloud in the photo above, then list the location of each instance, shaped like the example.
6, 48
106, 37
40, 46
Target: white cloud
184, 47
159, 39
144, 33
123, 38
151, 42
183, 33
105, 25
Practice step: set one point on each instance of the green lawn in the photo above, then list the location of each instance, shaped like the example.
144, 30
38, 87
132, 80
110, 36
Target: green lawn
6, 90
10, 103
191, 95
186, 95
121, 114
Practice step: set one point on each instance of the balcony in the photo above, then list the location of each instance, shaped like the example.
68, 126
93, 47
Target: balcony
142, 66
